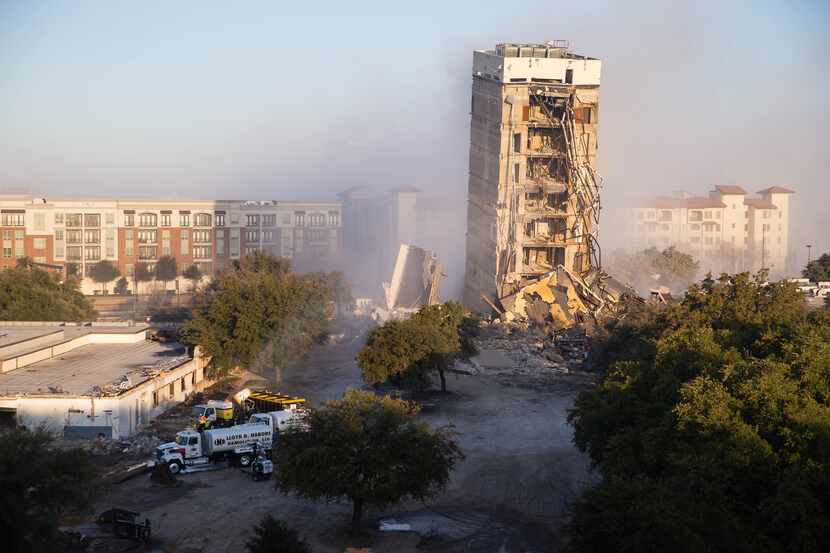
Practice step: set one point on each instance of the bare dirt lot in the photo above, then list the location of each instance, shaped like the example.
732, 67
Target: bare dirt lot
508, 494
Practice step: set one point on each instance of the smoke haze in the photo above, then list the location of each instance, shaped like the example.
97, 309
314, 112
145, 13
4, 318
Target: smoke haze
156, 99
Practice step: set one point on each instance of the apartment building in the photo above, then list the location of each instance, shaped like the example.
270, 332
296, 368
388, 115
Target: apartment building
533, 192
727, 231
75, 233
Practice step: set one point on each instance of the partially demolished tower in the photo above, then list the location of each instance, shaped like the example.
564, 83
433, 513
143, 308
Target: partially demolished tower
533, 195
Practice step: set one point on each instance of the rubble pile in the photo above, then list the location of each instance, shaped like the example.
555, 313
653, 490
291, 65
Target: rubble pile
560, 299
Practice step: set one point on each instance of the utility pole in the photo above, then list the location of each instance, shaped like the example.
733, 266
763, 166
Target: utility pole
809, 246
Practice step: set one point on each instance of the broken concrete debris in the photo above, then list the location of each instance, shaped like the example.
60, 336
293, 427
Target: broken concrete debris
415, 279
561, 299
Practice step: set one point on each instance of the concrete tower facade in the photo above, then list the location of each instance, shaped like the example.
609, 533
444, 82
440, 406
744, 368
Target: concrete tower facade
533, 193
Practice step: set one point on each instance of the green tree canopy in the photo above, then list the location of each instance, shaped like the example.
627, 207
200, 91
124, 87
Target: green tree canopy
121, 286
712, 427
428, 341
39, 484
32, 294
341, 290
274, 536
104, 271
143, 273
818, 270
258, 313
367, 449
193, 274
166, 269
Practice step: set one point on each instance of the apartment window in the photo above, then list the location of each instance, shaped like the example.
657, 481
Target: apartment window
128, 243
74, 253
184, 219
130, 269
746, 214
707, 214
746, 228
779, 215
165, 242
109, 218
92, 253
92, 236
733, 225
717, 215
129, 220
220, 220
317, 236
299, 216
147, 252
220, 243
7, 243
201, 220
201, 252
92, 220
268, 236
250, 251
156, 398
40, 221
569, 76
182, 384
165, 219
334, 218
147, 220
40, 259
252, 220
694, 227
59, 249
14, 219
234, 242
201, 236
185, 242
147, 236
193, 378
269, 220
516, 170
58, 218
586, 115
74, 220
316, 220
517, 143
251, 236
171, 389
766, 214
39, 243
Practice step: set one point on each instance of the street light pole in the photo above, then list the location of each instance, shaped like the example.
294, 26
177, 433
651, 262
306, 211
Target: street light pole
809, 258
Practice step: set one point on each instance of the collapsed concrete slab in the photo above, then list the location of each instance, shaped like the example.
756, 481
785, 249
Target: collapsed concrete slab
562, 299
415, 279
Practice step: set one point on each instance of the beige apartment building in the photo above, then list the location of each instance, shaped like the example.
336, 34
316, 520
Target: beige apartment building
727, 231
533, 193
73, 234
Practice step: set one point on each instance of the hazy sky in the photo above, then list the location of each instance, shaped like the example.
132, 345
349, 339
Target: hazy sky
301, 100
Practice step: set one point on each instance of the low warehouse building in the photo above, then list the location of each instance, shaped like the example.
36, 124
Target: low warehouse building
82, 381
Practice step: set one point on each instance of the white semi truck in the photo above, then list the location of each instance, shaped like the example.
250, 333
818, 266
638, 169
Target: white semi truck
239, 444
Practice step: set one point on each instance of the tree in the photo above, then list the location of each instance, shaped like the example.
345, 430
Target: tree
818, 270
121, 286
428, 341
675, 268
341, 290
143, 273
104, 271
24, 263
33, 294
193, 274
274, 536
711, 428
40, 484
367, 449
166, 269
258, 312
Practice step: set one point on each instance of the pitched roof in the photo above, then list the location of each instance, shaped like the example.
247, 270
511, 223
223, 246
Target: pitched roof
759, 203
677, 203
730, 189
776, 190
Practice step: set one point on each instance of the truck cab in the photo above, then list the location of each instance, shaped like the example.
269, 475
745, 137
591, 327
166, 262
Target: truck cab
213, 414
186, 449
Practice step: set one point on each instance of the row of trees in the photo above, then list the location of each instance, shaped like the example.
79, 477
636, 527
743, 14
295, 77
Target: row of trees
410, 350
165, 270
711, 428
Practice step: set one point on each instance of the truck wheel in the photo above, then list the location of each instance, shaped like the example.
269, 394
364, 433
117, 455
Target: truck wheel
244, 460
175, 467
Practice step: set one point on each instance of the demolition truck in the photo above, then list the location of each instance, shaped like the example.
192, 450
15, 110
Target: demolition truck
238, 444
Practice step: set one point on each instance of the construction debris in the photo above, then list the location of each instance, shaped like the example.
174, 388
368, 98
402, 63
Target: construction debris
415, 279
561, 299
